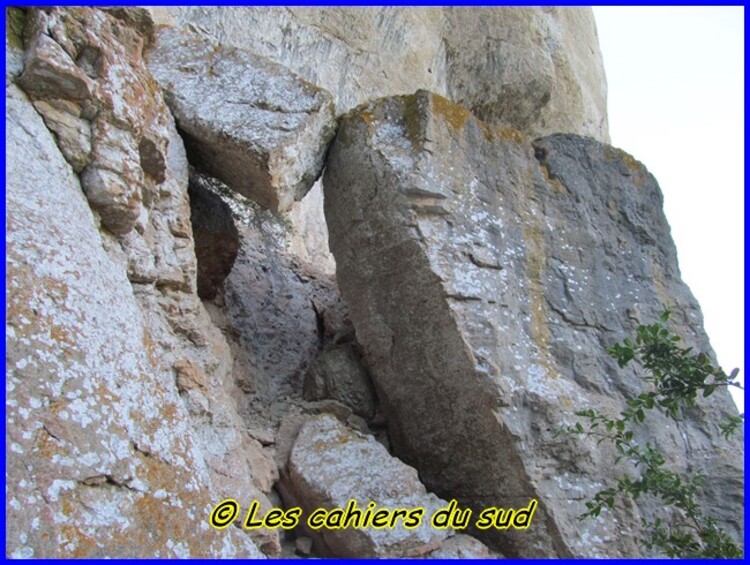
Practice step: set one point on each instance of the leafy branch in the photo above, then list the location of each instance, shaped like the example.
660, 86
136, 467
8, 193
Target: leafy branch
676, 377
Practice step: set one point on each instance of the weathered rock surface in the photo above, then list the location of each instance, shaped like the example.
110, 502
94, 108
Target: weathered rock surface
216, 238
462, 546
86, 72
102, 458
485, 275
277, 313
537, 69
248, 121
120, 395
338, 373
330, 465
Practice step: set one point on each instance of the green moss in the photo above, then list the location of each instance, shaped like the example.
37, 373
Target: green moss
454, 115
15, 22
413, 120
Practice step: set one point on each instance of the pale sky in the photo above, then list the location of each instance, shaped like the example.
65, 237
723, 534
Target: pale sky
676, 91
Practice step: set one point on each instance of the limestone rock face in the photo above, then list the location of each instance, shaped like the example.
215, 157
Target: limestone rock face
120, 395
248, 122
485, 275
86, 72
330, 465
99, 442
537, 69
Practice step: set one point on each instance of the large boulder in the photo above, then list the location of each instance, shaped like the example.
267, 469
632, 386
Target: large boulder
331, 465
247, 121
485, 275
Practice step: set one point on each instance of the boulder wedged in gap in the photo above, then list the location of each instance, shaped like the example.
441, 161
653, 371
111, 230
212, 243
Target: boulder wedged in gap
331, 465
485, 276
247, 121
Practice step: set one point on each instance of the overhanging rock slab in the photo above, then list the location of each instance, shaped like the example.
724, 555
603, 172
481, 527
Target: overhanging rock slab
246, 120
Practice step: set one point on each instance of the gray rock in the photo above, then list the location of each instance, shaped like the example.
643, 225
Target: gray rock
100, 447
338, 373
537, 69
247, 121
462, 546
216, 238
330, 465
485, 276
123, 346
277, 314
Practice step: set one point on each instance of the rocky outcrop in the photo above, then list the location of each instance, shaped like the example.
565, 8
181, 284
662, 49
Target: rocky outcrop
100, 444
247, 121
537, 69
330, 466
485, 274
121, 413
86, 73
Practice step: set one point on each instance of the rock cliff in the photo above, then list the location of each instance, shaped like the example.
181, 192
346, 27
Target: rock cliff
514, 262
175, 333
538, 70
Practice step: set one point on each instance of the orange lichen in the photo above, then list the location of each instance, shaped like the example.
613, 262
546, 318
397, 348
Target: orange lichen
454, 115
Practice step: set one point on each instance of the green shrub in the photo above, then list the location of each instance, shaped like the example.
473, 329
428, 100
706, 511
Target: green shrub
675, 377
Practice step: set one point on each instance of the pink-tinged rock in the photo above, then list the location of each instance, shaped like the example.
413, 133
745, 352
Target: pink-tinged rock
50, 72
